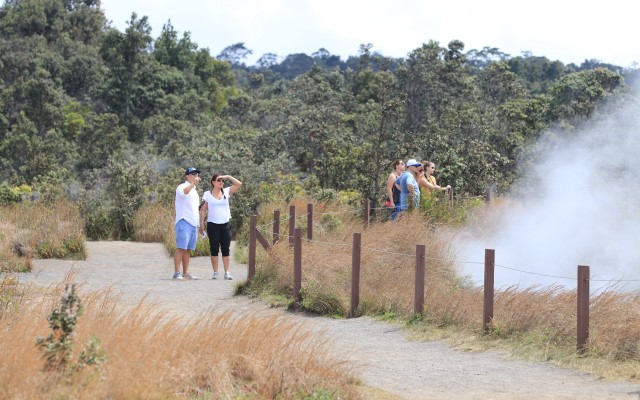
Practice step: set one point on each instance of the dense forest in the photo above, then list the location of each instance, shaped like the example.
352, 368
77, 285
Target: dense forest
110, 119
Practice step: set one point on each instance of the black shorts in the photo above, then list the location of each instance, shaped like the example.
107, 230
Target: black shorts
219, 238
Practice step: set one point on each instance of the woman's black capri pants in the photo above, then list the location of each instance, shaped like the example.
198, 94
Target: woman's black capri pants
219, 238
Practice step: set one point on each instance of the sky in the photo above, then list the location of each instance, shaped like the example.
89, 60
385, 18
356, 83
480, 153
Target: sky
570, 31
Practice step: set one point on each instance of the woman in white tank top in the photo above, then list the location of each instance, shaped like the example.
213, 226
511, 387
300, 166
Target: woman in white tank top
215, 206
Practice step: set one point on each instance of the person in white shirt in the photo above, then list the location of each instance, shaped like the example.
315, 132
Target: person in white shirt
216, 208
187, 222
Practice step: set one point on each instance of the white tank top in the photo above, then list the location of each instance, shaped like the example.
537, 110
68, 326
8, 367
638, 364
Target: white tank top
218, 211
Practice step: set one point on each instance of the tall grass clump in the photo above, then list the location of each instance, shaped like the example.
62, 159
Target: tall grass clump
147, 353
544, 315
440, 210
39, 230
154, 222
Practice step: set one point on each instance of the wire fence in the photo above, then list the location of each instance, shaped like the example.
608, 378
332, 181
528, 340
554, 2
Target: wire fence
262, 230
295, 241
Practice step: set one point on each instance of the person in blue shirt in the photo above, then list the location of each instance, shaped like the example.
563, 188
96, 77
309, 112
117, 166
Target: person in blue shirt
409, 189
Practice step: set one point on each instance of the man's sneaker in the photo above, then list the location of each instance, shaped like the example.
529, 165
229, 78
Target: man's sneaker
190, 277
215, 275
228, 276
177, 275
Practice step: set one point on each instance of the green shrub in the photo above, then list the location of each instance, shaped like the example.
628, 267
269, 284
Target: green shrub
57, 347
8, 196
330, 222
98, 224
322, 300
440, 209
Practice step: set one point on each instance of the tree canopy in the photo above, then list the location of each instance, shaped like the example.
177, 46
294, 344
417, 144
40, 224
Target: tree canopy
109, 118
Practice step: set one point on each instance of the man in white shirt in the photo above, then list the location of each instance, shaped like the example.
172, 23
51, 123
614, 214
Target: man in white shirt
187, 222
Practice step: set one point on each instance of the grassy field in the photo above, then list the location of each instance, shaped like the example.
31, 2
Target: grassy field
130, 353
536, 323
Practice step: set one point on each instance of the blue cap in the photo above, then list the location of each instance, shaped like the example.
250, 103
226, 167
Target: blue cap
191, 170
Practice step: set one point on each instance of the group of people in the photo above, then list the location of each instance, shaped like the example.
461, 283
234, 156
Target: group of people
406, 185
410, 182
190, 218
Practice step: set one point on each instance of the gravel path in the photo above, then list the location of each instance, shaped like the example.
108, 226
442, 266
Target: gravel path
385, 359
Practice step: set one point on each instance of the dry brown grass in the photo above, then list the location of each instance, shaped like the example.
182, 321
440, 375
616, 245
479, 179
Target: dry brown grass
152, 355
152, 222
615, 326
38, 230
540, 318
387, 264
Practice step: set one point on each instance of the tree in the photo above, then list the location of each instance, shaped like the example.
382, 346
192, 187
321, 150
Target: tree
83, 73
267, 60
575, 96
536, 72
124, 54
485, 57
294, 65
234, 54
85, 20
100, 137
216, 78
498, 84
379, 131
169, 50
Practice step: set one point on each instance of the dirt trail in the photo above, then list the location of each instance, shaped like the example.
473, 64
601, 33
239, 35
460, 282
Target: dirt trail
385, 359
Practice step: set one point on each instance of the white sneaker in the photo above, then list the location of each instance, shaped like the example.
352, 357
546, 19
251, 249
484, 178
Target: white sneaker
190, 277
177, 275
215, 275
228, 276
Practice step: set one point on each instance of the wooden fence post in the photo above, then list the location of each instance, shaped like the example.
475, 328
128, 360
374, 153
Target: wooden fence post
450, 193
297, 263
292, 223
487, 195
252, 247
355, 274
583, 308
489, 273
309, 221
276, 226
419, 290
366, 213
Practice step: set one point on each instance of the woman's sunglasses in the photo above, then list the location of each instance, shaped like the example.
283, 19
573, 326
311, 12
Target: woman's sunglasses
219, 180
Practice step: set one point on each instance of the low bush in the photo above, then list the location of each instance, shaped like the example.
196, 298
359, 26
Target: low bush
39, 230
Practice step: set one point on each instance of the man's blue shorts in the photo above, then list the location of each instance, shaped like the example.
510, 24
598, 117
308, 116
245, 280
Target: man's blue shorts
186, 235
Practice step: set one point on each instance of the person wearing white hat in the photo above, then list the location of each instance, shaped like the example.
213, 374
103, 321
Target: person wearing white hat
409, 190
187, 203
